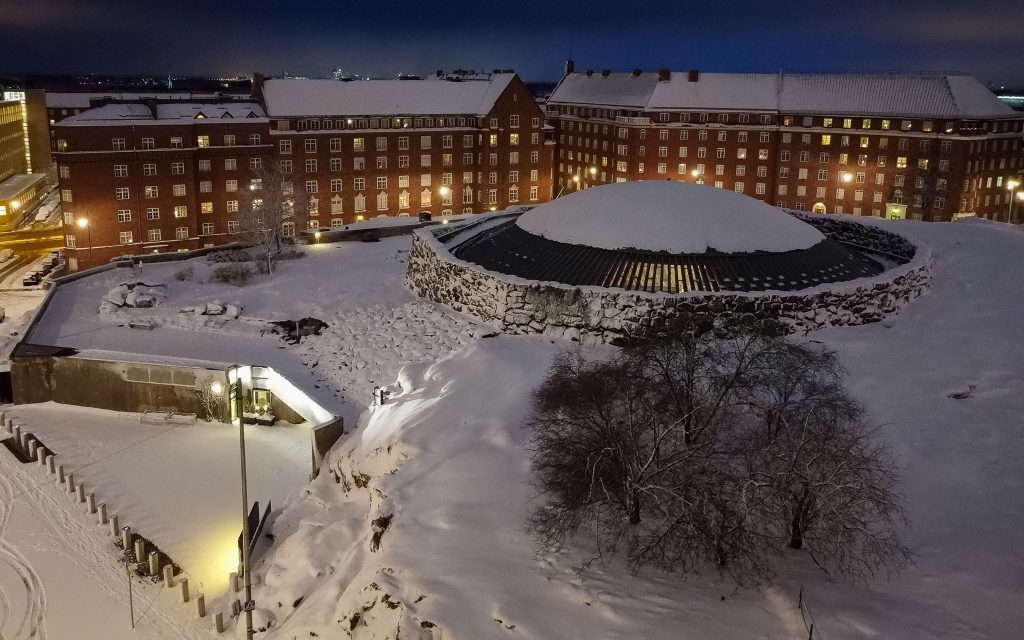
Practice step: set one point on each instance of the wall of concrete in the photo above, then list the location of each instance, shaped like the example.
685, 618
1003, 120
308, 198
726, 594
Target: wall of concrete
592, 314
62, 379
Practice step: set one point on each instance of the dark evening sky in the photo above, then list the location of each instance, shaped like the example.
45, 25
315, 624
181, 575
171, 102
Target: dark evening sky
385, 37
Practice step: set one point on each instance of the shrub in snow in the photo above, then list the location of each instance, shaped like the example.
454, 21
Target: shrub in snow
228, 255
236, 274
290, 254
692, 450
184, 274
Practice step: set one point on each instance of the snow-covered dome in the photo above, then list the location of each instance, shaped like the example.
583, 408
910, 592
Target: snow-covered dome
669, 216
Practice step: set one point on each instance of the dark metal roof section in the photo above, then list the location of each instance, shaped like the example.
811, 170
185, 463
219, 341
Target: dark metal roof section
512, 251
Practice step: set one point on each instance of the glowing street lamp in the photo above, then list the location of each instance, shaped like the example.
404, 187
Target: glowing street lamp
698, 176
1011, 185
847, 176
316, 236
83, 223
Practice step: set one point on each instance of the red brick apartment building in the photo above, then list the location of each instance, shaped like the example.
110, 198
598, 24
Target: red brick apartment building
923, 146
158, 175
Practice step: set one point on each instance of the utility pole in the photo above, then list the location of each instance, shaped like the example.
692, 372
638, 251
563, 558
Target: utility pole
248, 605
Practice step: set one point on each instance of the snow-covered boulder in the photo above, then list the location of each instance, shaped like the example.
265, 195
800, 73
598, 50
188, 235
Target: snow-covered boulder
214, 308
231, 311
117, 295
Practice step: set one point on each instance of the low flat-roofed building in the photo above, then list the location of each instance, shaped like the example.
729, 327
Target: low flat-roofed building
19, 194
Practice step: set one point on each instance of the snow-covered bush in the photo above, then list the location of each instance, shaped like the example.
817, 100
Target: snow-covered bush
690, 451
233, 273
185, 274
228, 255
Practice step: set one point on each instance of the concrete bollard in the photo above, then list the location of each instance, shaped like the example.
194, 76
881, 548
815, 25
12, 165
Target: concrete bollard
102, 508
233, 581
60, 473
169, 576
200, 605
41, 456
154, 563
16, 430
3, 417
80, 488
236, 608
90, 502
51, 464
126, 538
140, 549
71, 482
33, 446
9, 425
114, 528
183, 583
218, 622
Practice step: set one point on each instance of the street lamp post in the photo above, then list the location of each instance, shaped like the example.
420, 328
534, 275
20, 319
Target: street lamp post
698, 177
1011, 185
593, 175
83, 223
576, 181
246, 576
444, 191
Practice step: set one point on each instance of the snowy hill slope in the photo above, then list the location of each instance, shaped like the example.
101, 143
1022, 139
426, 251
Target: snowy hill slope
440, 476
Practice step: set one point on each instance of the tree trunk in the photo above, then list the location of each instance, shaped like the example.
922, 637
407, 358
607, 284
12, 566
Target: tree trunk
634, 507
270, 264
796, 536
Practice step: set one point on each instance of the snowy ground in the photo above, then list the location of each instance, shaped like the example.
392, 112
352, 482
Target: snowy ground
445, 460
177, 485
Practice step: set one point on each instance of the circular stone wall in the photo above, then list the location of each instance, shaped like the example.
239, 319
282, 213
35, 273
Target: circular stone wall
515, 305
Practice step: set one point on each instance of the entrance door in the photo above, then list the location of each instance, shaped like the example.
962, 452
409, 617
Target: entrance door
819, 207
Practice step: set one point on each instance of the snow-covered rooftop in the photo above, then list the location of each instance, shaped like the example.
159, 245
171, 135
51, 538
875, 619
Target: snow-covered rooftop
138, 112
899, 94
294, 97
81, 100
668, 215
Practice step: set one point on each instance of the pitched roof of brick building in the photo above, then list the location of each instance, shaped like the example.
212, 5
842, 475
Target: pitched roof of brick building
300, 97
920, 95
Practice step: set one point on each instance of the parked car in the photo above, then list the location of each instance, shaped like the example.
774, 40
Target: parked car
6, 254
31, 279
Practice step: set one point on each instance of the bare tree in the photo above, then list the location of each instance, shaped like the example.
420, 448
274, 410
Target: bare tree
268, 210
824, 483
693, 450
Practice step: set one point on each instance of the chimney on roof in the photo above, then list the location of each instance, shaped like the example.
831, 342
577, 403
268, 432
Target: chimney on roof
257, 87
693, 75
605, 73
664, 75
570, 66
636, 73
590, 72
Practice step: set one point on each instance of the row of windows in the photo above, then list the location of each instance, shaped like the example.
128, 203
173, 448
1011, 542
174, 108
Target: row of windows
311, 165
380, 143
316, 124
883, 124
155, 235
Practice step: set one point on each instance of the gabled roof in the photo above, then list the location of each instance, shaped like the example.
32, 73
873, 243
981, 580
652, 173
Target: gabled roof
211, 111
613, 90
919, 95
295, 97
